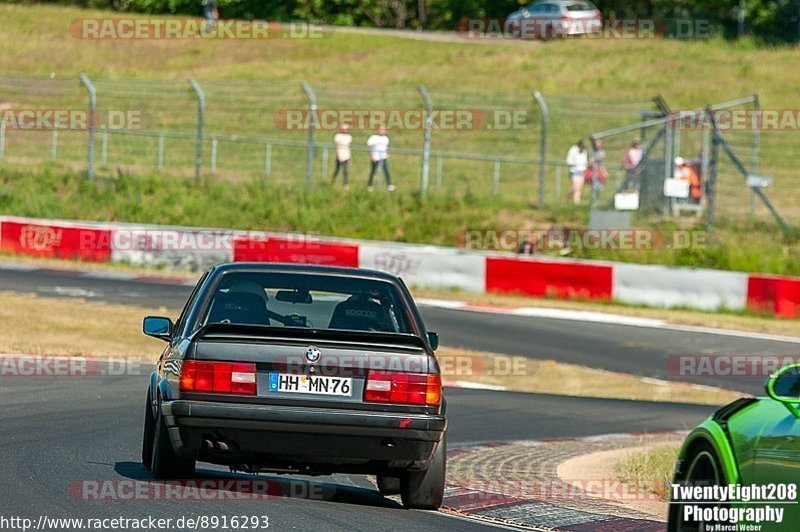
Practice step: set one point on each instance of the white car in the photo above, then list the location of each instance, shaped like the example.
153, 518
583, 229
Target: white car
549, 19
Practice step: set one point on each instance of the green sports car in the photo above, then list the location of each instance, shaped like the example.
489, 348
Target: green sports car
739, 469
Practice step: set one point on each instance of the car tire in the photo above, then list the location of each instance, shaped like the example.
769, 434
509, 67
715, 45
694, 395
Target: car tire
148, 433
424, 490
388, 485
165, 463
703, 467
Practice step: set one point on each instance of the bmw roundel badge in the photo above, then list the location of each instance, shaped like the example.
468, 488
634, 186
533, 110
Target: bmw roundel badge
313, 354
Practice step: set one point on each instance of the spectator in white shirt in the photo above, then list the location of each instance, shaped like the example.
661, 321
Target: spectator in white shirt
342, 141
378, 145
578, 161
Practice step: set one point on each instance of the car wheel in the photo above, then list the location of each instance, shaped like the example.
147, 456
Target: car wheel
424, 490
703, 469
388, 485
148, 434
165, 463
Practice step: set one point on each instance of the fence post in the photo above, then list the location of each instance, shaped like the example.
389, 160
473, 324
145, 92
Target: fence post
496, 178
439, 164
558, 184
2, 140
426, 139
669, 164
312, 124
160, 162
324, 162
104, 147
714, 164
544, 116
201, 112
86, 82
756, 142
213, 155
54, 144
267, 159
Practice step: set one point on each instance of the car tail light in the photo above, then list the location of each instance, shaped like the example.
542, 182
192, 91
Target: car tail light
218, 377
404, 388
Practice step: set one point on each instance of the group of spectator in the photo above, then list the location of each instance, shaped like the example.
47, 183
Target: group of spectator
378, 147
588, 167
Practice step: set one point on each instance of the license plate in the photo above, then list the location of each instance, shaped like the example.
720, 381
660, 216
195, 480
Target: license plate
313, 384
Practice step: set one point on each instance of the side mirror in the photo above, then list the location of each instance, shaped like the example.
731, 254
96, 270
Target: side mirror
433, 340
784, 387
157, 327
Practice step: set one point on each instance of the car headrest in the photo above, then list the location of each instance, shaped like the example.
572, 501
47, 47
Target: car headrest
249, 287
360, 315
239, 307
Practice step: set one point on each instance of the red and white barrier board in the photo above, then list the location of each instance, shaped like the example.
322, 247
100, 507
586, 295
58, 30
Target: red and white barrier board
426, 266
659, 286
265, 247
171, 248
421, 266
566, 279
55, 239
775, 294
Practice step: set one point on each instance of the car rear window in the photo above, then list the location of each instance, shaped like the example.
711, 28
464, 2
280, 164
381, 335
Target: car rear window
579, 6
307, 300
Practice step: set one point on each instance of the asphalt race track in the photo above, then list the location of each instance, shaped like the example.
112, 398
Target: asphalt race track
57, 433
60, 432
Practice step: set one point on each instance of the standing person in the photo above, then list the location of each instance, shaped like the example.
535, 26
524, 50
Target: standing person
596, 174
211, 14
578, 162
687, 172
378, 144
342, 141
631, 159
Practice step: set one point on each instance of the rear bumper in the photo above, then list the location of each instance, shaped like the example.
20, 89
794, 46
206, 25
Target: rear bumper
318, 438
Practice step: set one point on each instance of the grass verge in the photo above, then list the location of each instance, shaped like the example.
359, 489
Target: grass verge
522, 374
61, 326
649, 466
